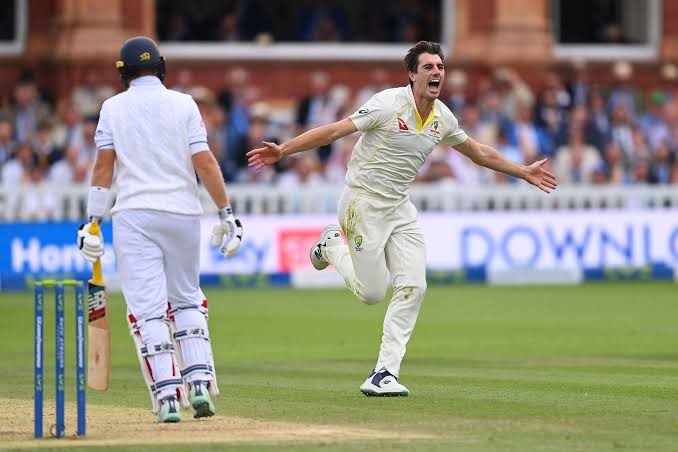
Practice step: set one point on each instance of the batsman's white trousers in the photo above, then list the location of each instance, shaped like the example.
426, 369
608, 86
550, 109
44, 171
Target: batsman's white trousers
158, 258
383, 236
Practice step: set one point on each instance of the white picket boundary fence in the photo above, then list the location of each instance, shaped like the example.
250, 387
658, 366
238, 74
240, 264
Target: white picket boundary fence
44, 202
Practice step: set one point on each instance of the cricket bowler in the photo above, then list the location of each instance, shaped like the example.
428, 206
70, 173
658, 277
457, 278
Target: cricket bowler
400, 127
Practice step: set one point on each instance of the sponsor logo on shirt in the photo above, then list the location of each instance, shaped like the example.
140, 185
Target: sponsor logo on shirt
363, 111
402, 125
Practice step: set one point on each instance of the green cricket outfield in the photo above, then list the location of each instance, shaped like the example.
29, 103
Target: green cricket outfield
587, 368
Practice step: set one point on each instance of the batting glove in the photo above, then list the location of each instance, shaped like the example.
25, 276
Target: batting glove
91, 246
228, 233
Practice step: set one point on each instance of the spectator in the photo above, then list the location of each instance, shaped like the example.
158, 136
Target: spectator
599, 175
598, 126
622, 93
640, 172
532, 139
661, 165
68, 129
17, 171
579, 88
213, 119
229, 28
43, 146
615, 163
236, 81
575, 162
652, 121
494, 114
184, 81
457, 95
256, 134
551, 117
640, 147
69, 169
554, 83
304, 170
621, 131
28, 110
7, 144
88, 97
512, 91
238, 118
317, 108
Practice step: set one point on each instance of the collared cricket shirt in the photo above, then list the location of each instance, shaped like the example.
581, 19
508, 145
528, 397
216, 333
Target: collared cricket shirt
396, 141
154, 132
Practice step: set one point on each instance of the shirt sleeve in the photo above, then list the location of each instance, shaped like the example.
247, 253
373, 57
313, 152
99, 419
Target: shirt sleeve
197, 134
455, 134
103, 137
375, 113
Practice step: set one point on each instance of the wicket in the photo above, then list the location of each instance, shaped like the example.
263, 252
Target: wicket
60, 353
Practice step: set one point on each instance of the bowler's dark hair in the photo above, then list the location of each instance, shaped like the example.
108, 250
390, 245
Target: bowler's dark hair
412, 58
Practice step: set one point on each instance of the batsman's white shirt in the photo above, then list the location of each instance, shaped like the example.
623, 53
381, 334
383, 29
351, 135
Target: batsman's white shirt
396, 141
155, 132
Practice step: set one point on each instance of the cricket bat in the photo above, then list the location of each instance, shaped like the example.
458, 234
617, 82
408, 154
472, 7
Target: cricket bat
99, 340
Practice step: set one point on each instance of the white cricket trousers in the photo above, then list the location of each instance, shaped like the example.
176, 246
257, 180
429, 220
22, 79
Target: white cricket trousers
383, 236
158, 258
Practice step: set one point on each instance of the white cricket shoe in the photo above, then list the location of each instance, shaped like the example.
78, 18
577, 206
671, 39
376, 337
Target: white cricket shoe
331, 232
383, 383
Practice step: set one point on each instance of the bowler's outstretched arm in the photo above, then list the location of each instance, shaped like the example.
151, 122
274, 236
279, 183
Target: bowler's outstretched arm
314, 138
489, 157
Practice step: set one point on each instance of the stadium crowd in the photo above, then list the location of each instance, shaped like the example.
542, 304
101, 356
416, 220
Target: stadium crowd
613, 134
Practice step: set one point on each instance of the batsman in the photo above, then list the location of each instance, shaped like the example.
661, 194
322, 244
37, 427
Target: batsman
153, 140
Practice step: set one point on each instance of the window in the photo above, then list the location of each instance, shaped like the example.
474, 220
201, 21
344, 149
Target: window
606, 29
12, 27
303, 29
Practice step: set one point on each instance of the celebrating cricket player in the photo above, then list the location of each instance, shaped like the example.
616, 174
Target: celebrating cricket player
400, 127
156, 141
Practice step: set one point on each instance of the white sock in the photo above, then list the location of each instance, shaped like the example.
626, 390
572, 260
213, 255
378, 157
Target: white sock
157, 332
194, 350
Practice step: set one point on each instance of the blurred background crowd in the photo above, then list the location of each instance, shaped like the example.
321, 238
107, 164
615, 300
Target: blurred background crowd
592, 133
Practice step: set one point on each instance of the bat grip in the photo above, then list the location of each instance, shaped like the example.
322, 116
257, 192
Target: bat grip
97, 275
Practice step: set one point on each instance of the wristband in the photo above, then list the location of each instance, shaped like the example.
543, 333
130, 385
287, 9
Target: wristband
226, 212
97, 201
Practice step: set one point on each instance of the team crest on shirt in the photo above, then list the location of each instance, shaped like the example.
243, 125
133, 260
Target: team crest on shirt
358, 240
434, 130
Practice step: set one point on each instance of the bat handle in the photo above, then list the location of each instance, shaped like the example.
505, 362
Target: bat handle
94, 227
97, 275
